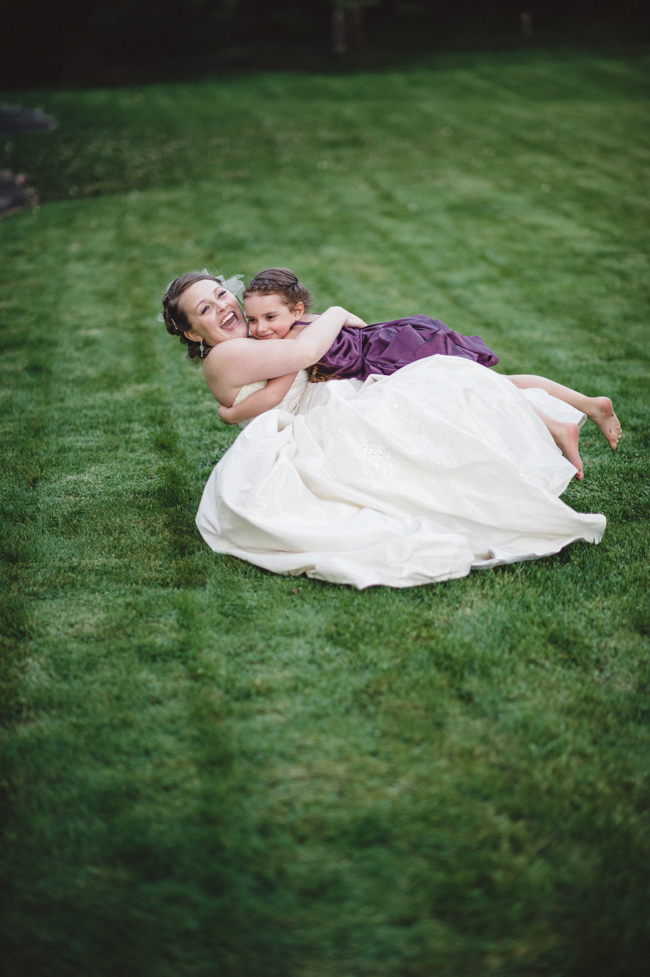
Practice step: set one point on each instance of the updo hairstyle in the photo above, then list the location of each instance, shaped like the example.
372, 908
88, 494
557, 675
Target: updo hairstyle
280, 281
175, 319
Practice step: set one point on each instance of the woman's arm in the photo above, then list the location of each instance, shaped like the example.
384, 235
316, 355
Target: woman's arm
258, 402
233, 364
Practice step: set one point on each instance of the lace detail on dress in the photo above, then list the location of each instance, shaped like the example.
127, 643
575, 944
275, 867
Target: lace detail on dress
377, 461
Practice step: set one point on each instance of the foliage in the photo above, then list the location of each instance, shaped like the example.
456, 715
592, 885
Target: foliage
72, 42
209, 769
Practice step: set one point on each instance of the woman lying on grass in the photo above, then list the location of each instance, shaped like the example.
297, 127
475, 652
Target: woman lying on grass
405, 479
203, 314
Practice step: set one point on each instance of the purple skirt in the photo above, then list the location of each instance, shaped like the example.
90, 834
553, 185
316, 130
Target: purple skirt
387, 346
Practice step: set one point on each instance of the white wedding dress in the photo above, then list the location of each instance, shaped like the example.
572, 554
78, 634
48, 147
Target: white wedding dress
401, 480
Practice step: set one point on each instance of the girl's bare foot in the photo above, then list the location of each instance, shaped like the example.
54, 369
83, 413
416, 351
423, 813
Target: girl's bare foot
566, 438
602, 414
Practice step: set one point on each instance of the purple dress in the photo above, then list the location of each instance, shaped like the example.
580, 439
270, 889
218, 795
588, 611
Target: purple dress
386, 346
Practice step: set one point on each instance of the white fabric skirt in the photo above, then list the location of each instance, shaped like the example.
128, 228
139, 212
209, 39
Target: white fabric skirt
413, 478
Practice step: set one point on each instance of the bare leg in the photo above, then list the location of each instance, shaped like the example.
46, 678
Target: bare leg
598, 409
566, 438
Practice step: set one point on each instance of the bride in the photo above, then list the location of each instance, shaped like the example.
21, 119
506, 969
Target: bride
401, 480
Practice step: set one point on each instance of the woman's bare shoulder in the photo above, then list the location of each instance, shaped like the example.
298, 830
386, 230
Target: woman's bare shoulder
226, 353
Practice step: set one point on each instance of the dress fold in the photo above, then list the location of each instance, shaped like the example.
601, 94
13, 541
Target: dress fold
388, 346
407, 479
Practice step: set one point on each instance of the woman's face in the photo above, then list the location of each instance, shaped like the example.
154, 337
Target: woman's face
213, 313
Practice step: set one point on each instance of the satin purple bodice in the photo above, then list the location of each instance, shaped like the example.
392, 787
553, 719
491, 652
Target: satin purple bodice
386, 346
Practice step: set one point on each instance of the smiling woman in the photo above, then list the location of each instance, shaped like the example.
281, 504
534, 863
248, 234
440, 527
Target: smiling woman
204, 314
406, 479
196, 297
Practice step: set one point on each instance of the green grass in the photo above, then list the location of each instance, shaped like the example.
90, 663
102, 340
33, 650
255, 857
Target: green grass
210, 770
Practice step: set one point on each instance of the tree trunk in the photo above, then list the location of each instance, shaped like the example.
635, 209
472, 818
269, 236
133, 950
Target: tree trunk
526, 23
339, 38
358, 28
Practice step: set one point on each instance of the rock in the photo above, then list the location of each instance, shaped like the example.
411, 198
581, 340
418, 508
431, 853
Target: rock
12, 194
15, 119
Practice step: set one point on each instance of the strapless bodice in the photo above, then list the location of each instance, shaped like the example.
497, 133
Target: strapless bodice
299, 398
248, 389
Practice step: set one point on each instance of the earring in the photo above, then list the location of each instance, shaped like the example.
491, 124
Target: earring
201, 349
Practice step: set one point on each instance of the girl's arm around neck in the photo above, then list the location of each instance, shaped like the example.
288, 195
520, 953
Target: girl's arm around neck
307, 320
232, 364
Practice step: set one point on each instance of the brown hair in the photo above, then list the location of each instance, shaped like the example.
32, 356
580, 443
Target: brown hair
174, 317
280, 281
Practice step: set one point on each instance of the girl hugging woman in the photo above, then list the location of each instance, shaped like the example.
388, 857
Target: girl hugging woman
277, 307
410, 468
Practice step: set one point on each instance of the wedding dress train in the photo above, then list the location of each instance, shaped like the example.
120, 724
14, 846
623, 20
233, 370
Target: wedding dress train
402, 480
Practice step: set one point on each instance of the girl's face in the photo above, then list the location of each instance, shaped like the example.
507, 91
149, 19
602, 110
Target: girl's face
213, 313
269, 316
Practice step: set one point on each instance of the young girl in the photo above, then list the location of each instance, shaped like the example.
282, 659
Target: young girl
399, 480
276, 314
276, 304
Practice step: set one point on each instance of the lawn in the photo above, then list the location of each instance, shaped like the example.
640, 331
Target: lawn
210, 770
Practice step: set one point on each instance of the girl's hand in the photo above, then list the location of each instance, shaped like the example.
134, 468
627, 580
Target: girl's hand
354, 320
224, 415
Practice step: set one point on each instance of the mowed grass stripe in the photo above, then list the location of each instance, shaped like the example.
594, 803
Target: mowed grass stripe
215, 770
113, 728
